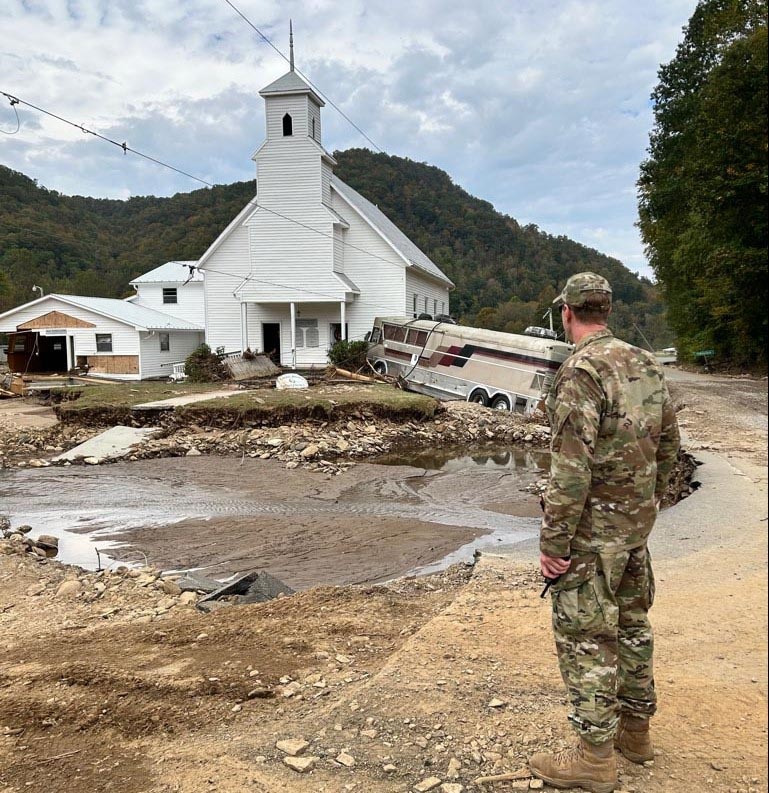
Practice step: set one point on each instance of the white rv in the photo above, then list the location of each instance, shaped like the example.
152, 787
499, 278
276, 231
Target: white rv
506, 371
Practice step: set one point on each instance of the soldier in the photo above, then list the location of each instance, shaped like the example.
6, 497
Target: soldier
614, 439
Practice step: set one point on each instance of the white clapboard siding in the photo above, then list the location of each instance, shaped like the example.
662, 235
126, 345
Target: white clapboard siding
225, 271
277, 107
432, 297
288, 175
125, 339
157, 363
189, 305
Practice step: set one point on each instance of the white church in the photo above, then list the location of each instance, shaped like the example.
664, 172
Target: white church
308, 260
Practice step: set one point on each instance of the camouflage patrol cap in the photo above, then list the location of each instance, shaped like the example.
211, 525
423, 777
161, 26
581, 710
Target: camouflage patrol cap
579, 287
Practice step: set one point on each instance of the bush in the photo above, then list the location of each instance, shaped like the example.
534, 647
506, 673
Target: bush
349, 355
204, 366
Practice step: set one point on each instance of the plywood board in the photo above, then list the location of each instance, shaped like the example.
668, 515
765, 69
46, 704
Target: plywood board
55, 319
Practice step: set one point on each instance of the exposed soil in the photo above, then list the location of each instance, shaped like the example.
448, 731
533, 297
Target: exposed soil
104, 692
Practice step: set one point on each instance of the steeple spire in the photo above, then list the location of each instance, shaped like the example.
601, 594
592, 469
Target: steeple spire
291, 43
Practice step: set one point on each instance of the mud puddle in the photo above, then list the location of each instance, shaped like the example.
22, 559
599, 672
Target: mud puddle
374, 522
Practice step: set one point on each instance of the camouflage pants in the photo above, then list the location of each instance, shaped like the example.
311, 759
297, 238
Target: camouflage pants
604, 639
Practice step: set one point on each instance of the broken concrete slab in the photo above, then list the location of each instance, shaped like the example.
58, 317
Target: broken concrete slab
112, 444
195, 582
255, 587
189, 399
247, 368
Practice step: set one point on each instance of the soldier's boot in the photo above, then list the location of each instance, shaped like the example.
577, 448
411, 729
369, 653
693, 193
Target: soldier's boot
591, 767
633, 740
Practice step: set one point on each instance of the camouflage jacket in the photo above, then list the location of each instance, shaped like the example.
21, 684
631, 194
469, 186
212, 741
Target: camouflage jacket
614, 439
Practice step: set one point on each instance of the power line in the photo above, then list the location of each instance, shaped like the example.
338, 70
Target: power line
302, 75
124, 146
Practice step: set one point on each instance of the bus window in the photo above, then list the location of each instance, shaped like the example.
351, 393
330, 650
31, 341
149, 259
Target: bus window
373, 336
395, 333
417, 337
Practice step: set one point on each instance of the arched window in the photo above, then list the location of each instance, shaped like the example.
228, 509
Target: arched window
288, 125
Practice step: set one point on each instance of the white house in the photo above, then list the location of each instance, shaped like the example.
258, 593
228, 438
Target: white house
174, 288
308, 260
122, 339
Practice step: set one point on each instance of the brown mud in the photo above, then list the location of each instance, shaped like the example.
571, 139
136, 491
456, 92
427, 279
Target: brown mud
448, 676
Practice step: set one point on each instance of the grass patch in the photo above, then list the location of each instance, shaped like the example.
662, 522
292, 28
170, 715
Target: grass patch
130, 394
112, 404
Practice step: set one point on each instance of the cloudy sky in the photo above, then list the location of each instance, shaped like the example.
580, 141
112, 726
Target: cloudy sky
541, 108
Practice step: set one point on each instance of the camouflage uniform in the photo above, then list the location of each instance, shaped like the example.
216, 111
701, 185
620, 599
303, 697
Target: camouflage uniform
614, 441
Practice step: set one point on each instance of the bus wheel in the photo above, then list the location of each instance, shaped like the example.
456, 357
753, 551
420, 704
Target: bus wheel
380, 367
479, 397
500, 402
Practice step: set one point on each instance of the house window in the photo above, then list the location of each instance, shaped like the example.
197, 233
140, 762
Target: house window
414, 304
18, 344
288, 125
103, 342
435, 306
307, 333
313, 128
170, 294
443, 307
425, 304
165, 342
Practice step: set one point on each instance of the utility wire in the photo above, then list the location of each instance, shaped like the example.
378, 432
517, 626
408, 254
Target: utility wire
301, 74
124, 146
14, 101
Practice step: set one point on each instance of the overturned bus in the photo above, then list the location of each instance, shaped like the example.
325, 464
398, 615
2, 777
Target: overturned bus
505, 371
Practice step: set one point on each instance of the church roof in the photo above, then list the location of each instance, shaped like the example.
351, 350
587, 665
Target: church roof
290, 83
391, 233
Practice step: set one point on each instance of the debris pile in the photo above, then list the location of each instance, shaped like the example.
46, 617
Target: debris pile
18, 540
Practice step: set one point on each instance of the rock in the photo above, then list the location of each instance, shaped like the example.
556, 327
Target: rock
193, 452
291, 689
455, 766
188, 598
301, 764
170, 587
310, 451
345, 759
389, 768
261, 693
69, 588
23, 529
452, 787
497, 703
292, 746
91, 460
35, 590
536, 784
167, 603
430, 783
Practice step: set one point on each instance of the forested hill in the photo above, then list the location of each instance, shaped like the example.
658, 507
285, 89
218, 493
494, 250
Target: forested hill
505, 274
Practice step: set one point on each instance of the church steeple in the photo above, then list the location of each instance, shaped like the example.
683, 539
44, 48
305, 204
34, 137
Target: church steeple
291, 44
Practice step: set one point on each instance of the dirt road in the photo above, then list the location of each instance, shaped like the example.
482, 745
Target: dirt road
444, 678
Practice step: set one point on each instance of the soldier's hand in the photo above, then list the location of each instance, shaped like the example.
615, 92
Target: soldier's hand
553, 566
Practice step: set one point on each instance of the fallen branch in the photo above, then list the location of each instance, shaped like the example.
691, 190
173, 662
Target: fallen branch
521, 773
59, 756
354, 376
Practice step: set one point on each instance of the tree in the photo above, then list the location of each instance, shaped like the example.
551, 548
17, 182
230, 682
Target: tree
703, 189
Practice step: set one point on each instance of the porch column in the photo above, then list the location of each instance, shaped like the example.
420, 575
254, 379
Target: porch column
293, 335
342, 308
243, 326
68, 346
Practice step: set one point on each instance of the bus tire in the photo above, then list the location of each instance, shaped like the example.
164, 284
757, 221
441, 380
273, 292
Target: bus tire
500, 402
380, 367
480, 397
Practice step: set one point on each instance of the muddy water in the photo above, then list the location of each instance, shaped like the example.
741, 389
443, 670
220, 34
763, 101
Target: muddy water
229, 515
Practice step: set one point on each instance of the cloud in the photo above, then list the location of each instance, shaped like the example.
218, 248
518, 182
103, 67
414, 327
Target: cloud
541, 108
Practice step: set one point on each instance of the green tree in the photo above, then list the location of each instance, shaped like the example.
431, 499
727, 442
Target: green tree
703, 189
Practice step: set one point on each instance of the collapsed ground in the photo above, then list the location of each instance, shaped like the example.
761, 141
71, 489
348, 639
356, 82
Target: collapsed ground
115, 684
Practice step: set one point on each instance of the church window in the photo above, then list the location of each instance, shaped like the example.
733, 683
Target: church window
288, 125
313, 128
